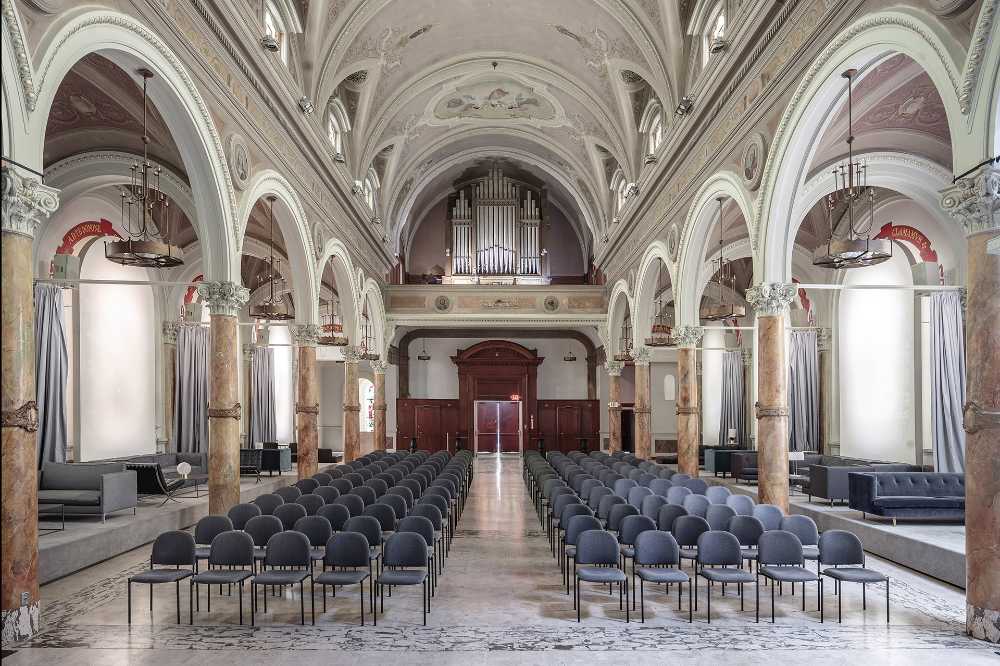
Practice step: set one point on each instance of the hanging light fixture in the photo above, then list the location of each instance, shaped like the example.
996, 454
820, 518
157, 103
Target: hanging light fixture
331, 327
726, 278
570, 357
273, 308
626, 353
849, 244
144, 245
661, 330
423, 355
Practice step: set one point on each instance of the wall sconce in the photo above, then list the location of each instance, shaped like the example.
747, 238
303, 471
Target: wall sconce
684, 106
306, 105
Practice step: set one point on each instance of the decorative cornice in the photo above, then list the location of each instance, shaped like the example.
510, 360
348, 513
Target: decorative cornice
688, 336
223, 298
379, 367
977, 49
24, 417
170, 329
24, 70
351, 354
307, 335
974, 201
614, 368
26, 201
771, 299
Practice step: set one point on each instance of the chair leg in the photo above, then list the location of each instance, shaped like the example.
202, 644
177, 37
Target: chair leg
708, 604
772, 602
642, 601
887, 601
302, 604
425, 602
191, 591
576, 597
627, 618
178, 586
821, 619
757, 593
253, 602
839, 609
129, 585
864, 597
150, 603
312, 598
361, 593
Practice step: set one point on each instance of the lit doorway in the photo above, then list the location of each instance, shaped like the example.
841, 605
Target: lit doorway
498, 426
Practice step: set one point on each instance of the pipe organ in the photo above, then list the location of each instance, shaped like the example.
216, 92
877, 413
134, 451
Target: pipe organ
496, 230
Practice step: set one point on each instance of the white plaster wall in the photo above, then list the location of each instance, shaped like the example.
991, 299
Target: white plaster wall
663, 411
284, 383
711, 383
331, 405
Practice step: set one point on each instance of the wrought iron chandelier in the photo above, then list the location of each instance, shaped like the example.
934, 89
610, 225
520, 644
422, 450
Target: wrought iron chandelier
849, 244
726, 279
331, 328
273, 308
626, 337
661, 329
423, 355
144, 245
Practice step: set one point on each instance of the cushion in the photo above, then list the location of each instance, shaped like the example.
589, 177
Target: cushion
916, 502
788, 574
70, 497
923, 484
280, 577
222, 576
76, 476
854, 575
402, 577
341, 577
661, 575
627, 550
600, 575
154, 576
728, 575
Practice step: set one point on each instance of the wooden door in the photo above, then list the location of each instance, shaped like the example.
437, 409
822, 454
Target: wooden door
568, 418
487, 426
509, 431
428, 427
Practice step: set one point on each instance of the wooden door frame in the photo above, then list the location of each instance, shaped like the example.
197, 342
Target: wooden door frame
520, 425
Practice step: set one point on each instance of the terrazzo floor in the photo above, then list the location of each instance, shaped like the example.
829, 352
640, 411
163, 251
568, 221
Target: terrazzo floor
500, 600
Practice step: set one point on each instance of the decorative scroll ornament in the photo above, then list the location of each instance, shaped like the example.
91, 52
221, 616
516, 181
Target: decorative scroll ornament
379, 367
771, 299
24, 417
351, 354
763, 412
974, 201
223, 298
234, 412
307, 335
306, 409
688, 336
977, 418
682, 409
614, 368
170, 329
26, 202
642, 356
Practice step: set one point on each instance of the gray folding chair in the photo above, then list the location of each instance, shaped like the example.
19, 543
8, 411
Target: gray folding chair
405, 563
779, 559
656, 555
844, 553
289, 555
234, 552
170, 549
346, 554
597, 559
718, 552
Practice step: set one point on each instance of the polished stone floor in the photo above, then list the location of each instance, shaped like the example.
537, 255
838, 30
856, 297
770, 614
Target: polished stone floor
500, 600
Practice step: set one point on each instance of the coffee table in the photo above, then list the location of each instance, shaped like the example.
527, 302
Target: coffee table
45, 510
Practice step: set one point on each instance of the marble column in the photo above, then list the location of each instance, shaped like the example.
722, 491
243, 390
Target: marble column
26, 202
169, 368
824, 343
614, 369
224, 300
688, 411
747, 397
352, 406
307, 401
379, 368
974, 201
771, 301
643, 427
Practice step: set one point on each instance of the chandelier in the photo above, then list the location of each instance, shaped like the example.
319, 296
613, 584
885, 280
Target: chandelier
626, 335
850, 245
726, 279
273, 308
423, 355
331, 329
661, 329
144, 245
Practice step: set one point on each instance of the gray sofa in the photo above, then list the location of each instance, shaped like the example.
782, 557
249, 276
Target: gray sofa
926, 495
168, 462
93, 489
828, 475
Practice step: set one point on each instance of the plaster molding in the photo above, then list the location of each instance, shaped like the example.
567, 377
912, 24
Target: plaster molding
379, 367
771, 299
974, 201
688, 336
977, 50
642, 356
351, 354
24, 69
306, 335
26, 202
614, 368
223, 298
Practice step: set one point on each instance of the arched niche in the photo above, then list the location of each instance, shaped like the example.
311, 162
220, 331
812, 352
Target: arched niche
348, 289
373, 306
619, 305
654, 282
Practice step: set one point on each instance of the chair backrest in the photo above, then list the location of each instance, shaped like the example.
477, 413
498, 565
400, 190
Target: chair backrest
234, 549
636, 494
668, 514
770, 515
262, 528
384, 514
174, 548
289, 513
589, 485
646, 479
322, 478
654, 547
430, 512
597, 493
336, 514
378, 485
354, 504
342, 485
328, 493
347, 549
422, 526
289, 493
742, 504
606, 504
661, 486
435, 500
578, 525
697, 486
241, 513
560, 502
403, 492
307, 485
365, 473
677, 494
596, 546
618, 513
405, 549
778, 547
622, 487
316, 528
367, 525
840, 547
666, 473
696, 505
678, 477
718, 549
746, 529
288, 549
718, 494
573, 509
311, 502
635, 474
632, 526
366, 494
208, 527
651, 505
687, 529
413, 485
397, 503
718, 516
268, 503
803, 527
355, 478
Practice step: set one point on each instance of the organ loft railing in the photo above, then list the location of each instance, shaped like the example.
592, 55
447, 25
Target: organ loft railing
496, 233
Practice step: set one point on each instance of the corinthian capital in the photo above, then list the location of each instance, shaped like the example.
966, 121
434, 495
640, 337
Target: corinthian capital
379, 367
306, 335
642, 356
223, 298
614, 368
771, 299
688, 336
351, 354
974, 200
26, 202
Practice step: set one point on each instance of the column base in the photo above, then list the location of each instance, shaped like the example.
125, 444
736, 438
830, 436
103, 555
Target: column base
981, 623
20, 624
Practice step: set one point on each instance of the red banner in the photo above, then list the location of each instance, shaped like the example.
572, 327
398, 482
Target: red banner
83, 230
901, 232
193, 289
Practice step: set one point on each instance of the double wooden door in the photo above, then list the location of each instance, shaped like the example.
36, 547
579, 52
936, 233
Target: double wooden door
433, 422
498, 426
563, 423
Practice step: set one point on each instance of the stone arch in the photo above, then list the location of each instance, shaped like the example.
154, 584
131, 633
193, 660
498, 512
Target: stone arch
347, 288
620, 299
18, 87
130, 44
372, 296
645, 284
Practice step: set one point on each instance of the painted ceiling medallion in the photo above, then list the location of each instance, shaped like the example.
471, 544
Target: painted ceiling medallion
495, 98
752, 161
239, 161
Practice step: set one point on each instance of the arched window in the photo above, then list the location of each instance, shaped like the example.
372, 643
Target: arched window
655, 133
366, 398
274, 26
370, 189
714, 33
337, 124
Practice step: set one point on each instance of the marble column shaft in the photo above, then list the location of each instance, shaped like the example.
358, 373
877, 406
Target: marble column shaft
352, 406
688, 403
614, 369
643, 426
379, 368
169, 367
307, 402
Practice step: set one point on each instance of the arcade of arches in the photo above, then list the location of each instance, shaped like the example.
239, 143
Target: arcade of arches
752, 242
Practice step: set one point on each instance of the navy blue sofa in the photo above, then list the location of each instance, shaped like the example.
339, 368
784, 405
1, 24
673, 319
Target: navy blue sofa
926, 495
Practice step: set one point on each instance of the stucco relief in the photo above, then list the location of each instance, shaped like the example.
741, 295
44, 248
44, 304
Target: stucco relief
495, 99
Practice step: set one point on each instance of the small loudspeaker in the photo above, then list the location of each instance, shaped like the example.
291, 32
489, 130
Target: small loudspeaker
66, 267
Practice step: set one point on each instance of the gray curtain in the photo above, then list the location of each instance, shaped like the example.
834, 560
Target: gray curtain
803, 392
263, 424
732, 399
191, 389
51, 370
947, 381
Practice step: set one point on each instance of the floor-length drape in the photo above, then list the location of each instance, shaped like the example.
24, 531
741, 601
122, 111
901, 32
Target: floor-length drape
191, 389
732, 399
947, 381
51, 371
803, 392
263, 424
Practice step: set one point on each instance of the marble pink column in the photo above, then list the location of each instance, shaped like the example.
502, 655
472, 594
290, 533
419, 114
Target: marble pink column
352, 406
974, 201
643, 426
379, 368
26, 202
614, 369
307, 402
771, 301
688, 411
224, 300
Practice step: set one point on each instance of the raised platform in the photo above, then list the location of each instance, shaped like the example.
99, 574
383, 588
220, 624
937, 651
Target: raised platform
87, 541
